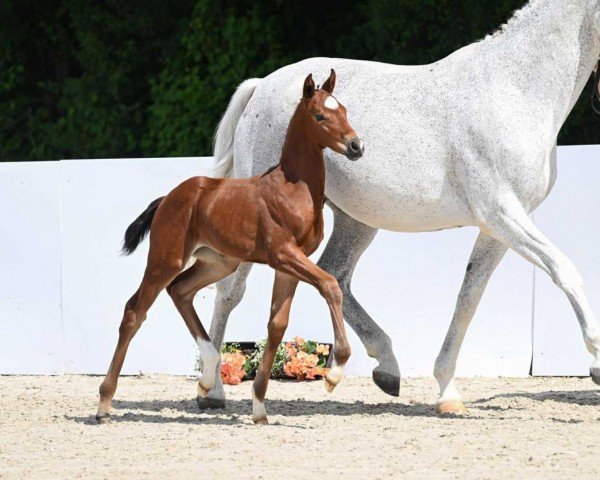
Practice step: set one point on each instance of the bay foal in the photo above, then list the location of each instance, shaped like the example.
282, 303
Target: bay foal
275, 218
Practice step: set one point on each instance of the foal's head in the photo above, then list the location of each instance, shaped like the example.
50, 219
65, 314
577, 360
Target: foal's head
326, 119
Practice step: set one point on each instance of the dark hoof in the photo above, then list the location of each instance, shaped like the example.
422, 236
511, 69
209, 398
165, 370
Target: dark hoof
390, 384
103, 420
205, 403
595, 374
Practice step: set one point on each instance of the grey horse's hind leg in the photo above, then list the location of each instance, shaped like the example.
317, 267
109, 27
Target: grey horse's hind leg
512, 226
348, 241
230, 292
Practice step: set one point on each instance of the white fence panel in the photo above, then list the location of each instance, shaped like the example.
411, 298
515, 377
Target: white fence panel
30, 292
407, 282
569, 217
100, 199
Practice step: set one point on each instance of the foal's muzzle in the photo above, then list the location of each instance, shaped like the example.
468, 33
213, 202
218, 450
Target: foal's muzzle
355, 148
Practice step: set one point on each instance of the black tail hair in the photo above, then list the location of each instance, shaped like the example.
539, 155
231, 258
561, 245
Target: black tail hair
140, 227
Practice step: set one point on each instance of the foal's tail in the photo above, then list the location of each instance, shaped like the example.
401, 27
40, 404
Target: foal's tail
223, 151
140, 227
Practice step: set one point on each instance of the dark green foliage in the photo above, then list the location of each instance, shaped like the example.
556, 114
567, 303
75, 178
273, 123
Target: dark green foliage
79, 72
113, 78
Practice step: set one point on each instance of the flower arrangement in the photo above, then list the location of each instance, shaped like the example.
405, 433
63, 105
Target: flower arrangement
300, 359
306, 360
232, 367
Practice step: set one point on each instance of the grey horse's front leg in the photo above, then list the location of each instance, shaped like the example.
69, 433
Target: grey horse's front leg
348, 241
230, 292
485, 257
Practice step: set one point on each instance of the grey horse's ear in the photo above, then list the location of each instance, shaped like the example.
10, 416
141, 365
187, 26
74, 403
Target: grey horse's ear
329, 84
309, 88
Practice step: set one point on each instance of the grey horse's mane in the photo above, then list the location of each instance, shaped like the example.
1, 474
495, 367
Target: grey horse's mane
519, 16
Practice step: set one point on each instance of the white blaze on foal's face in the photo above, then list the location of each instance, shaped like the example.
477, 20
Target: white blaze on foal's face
331, 103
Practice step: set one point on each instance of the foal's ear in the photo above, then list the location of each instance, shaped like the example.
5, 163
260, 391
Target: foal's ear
309, 88
329, 84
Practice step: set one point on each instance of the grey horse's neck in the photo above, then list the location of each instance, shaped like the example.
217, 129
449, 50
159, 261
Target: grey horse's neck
549, 49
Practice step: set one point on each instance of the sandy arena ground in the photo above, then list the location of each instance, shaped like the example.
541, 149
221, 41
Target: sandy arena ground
516, 428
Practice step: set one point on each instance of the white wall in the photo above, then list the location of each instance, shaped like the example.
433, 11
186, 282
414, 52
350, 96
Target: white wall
31, 334
570, 218
100, 199
408, 282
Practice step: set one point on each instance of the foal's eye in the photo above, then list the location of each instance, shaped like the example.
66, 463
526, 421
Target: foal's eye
319, 117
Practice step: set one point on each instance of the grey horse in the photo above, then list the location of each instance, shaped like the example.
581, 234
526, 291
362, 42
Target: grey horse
469, 140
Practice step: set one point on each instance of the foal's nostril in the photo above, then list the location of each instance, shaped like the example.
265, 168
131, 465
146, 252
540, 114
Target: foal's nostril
354, 148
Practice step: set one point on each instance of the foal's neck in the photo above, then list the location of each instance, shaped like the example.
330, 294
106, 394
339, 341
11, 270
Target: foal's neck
302, 159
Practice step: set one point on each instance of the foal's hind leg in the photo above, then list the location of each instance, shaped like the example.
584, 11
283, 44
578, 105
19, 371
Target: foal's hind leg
513, 227
155, 279
484, 259
230, 291
210, 267
284, 288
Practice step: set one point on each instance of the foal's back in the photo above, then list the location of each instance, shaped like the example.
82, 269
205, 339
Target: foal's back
242, 217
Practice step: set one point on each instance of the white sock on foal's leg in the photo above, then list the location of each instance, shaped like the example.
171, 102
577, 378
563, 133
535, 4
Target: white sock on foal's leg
210, 358
259, 413
333, 376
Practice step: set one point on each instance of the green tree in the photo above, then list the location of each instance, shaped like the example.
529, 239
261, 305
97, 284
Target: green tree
225, 43
152, 77
79, 74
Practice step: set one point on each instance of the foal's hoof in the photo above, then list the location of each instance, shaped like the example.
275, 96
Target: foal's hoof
389, 383
450, 408
205, 403
328, 385
595, 374
260, 420
332, 378
104, 419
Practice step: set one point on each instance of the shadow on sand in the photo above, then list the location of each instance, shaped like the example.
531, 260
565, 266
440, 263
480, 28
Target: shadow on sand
239, 411
574, 397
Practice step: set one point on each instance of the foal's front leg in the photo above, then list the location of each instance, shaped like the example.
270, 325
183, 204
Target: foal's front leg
292, 261
284, 288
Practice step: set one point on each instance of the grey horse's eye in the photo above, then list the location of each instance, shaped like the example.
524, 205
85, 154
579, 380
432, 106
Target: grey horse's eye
320, 117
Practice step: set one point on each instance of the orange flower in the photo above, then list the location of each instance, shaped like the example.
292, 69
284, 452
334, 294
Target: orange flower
232, 367
322, 349
290, 350
299, 341
303, 366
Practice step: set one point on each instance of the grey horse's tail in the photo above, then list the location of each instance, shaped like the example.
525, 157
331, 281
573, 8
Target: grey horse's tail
223, 151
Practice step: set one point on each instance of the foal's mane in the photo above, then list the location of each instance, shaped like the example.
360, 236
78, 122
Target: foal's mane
295, 112
270, 169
